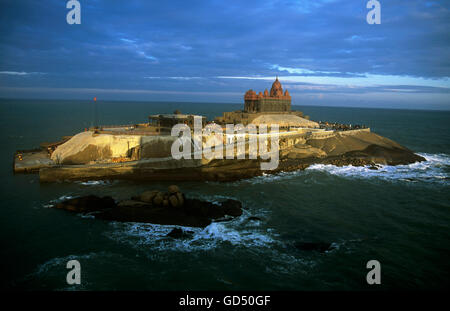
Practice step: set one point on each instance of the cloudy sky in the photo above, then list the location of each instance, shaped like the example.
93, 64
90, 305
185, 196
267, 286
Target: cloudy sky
323, 51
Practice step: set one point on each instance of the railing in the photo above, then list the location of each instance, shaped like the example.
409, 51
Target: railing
341, 127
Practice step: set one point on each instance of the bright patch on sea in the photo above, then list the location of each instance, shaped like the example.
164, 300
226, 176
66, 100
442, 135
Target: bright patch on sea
436, 168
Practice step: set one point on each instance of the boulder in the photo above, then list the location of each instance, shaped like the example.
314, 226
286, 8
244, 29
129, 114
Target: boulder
173, 189
180, 198
158, 199
173, 201
148, 196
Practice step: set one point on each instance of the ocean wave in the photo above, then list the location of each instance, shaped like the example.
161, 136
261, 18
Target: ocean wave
95, 183
434, 169
216, 198
237, 232
51, 203
267, 177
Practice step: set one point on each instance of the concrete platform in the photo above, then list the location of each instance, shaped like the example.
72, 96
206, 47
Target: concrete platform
31, 161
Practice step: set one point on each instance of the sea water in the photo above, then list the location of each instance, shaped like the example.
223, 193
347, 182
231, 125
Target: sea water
399, 215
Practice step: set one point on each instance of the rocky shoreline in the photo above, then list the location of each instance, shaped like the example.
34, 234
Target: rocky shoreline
357, 148
373, 156
164, 208
232, 170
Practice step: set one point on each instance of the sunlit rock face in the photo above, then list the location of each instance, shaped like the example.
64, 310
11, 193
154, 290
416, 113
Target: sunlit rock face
87, 146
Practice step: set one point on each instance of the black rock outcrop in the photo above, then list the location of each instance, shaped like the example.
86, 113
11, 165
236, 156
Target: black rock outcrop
158, 208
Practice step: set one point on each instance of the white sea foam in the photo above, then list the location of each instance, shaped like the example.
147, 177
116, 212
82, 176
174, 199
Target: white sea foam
266, 178
95, 183
217, 198
62, 198
155, 236
58, 200
237, 232
434, 169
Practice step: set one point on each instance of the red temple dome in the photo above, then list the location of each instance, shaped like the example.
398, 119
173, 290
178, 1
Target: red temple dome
250, 94
276, 89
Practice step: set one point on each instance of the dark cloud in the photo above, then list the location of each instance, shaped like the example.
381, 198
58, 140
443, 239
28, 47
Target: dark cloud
185, 45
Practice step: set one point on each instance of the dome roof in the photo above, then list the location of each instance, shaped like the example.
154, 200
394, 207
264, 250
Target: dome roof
250, 94
276, 89
276, 83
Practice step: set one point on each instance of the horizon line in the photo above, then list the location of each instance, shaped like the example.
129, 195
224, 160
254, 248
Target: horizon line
220, 103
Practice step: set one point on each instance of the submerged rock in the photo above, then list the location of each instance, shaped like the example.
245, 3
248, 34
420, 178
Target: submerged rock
148, 196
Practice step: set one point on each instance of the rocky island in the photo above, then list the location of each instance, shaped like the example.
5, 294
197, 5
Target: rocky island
157, 207
145, 151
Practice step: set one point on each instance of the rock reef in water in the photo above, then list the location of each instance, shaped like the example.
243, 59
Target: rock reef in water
170, 208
